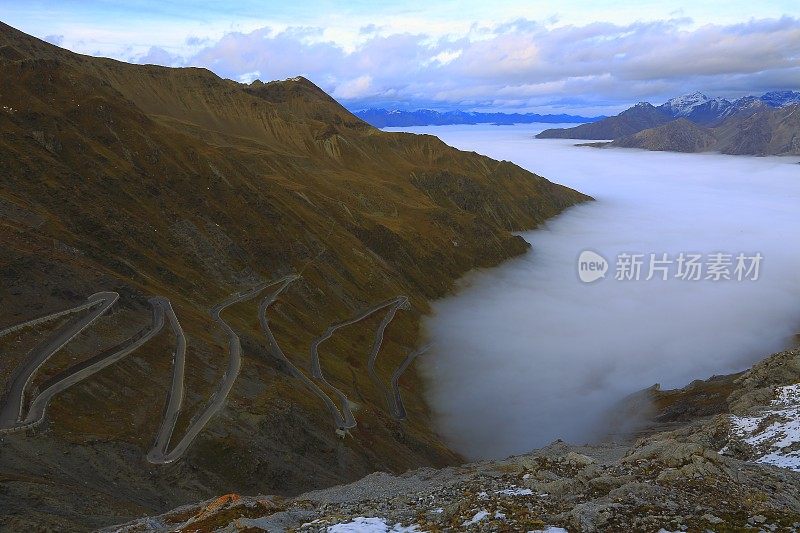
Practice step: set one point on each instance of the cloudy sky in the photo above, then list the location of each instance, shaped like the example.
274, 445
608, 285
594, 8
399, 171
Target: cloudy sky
566, 56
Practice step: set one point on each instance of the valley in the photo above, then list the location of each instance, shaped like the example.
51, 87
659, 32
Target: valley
234, 304
564, 353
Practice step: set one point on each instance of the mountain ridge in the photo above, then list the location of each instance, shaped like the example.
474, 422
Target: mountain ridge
149, 182
634, 119
381, 118
757, 131
696, 123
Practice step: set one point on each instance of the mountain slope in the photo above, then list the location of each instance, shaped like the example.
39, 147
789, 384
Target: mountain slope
149, 181
756, 130
696, 108
677, 136
637, 118
763, 131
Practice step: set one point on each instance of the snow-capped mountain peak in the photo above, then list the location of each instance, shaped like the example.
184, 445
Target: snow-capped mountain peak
781, 98
697, 107
683, 105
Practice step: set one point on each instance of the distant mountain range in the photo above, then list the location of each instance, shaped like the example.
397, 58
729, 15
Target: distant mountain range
761, 131
637, 118
382, 118
765, 125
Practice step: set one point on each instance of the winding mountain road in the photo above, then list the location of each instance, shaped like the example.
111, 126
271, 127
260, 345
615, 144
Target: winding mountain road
396, 401
13, 399
11, 417
401, 302
97, 363
11, 410
349, 420
158, 453
277, 352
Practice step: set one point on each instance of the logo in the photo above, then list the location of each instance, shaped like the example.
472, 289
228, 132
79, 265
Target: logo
684, 266
591, 266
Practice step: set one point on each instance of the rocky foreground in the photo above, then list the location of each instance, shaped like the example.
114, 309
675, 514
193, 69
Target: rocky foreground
734, 471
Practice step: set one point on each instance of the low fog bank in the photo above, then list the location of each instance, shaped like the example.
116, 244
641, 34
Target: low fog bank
527, 353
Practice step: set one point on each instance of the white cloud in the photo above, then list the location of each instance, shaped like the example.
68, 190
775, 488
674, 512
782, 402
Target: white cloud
158, 56
355, 88
524, 63
54, 39
447, 56
249, 77
437, 56
527, 353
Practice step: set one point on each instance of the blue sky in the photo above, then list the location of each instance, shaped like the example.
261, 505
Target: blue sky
568, 56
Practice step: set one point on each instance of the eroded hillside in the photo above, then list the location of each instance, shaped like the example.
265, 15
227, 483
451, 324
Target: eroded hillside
173, 183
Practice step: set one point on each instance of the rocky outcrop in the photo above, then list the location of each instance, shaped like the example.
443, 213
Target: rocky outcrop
668, 483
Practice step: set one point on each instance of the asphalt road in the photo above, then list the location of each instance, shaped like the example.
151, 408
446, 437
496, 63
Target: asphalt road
277, 352
158, 453
97, 363
316, 369
11, 409
396, 402
11, 416
400, 302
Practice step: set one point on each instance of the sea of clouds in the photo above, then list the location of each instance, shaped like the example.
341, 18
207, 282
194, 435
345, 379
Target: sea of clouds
526, 353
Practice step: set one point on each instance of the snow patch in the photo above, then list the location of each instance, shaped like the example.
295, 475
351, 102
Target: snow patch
363, 524
681, 106
480, 515
773, 434
515, 491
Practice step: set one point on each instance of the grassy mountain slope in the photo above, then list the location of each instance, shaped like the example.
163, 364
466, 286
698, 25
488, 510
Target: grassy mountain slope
757, 131
155, 181
680, 135
633, 120
766, 131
